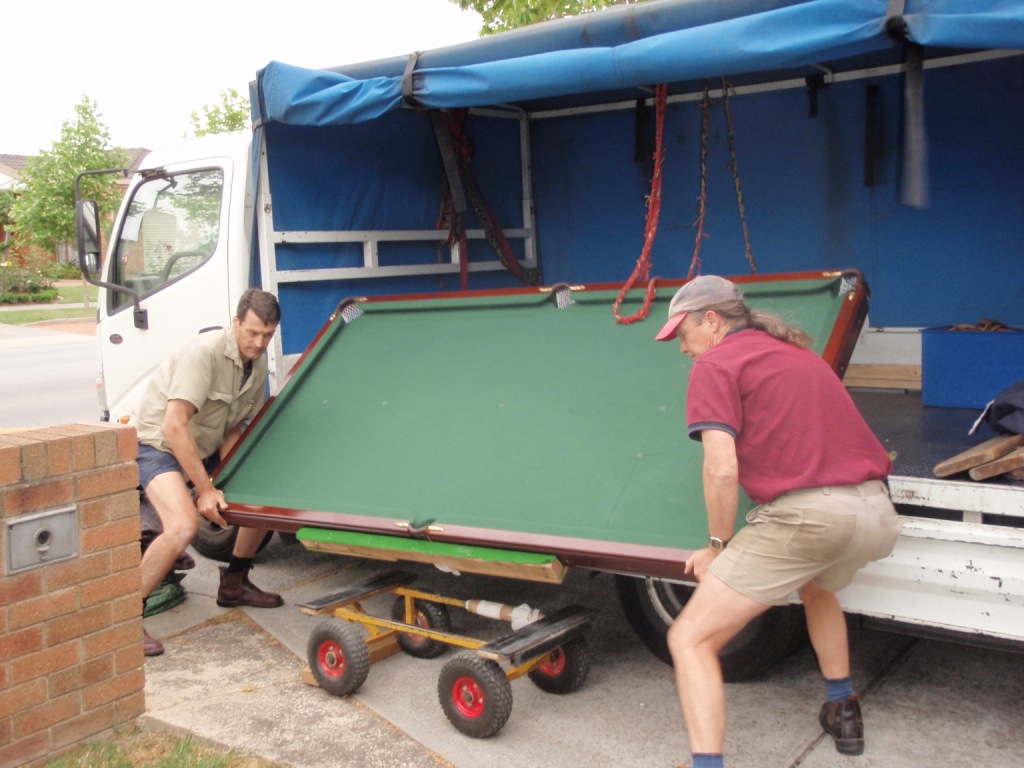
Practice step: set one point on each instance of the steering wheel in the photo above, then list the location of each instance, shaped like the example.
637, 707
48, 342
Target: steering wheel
165, 273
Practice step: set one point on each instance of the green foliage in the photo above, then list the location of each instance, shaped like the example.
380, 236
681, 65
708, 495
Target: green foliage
502, 15
6, 203
24, 284
232, 114
43, 213
62, 270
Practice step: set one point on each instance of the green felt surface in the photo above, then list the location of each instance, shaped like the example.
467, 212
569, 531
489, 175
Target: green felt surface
504, 413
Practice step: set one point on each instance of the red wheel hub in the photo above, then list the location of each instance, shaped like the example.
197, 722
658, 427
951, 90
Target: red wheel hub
554, 664
468, 697
331, 659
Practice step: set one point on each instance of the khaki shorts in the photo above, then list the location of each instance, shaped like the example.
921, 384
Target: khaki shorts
824, 535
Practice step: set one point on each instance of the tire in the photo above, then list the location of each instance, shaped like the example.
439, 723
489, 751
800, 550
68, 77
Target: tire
565, 669
216, 543
428, 616
651, 605
338, 656
475, 695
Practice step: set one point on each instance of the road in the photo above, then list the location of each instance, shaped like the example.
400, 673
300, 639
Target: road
49, 376
926, 703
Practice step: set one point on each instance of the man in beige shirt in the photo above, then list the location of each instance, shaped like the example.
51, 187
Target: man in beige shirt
193, 411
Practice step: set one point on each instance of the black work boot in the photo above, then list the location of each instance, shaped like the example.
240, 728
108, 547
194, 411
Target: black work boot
842, 721
236, 589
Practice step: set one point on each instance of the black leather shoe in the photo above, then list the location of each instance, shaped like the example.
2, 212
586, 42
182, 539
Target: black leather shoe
842, 721
236, 589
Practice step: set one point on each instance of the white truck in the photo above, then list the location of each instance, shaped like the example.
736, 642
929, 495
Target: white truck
852, 134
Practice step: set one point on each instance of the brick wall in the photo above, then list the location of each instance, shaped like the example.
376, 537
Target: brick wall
71, 663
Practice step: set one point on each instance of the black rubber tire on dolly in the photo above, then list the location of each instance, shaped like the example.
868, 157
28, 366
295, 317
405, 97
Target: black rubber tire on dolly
475, 694
565, 669
428, 615
650, 606
338, 656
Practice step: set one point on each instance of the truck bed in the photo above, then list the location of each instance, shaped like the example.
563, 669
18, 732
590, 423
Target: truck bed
920, 437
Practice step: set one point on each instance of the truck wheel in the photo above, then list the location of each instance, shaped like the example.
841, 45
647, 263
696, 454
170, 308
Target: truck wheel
216, 543
338, 657
651, 605
565, 669
427, 615
475, 694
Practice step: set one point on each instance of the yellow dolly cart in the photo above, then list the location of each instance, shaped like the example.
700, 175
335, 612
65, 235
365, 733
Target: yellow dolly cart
473, 688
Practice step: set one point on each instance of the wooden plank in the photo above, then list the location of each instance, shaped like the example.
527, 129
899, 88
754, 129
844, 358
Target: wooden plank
539, 637
363, 590
1012, 460
990, 450
883, 376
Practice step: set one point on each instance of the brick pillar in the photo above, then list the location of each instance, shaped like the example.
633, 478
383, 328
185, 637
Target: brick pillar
71, 663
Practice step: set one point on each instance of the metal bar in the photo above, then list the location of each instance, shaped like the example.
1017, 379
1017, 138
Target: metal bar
782, 85
268, 263
968, 497
356, 273
300, 237
410, 629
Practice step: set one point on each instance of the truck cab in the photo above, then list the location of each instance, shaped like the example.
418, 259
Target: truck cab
172, 268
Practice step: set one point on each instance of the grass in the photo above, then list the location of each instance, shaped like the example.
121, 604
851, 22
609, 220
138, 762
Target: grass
36, 314
139, 748
69, 293
73, 294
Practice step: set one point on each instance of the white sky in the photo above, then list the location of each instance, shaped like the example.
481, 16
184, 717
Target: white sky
149, 65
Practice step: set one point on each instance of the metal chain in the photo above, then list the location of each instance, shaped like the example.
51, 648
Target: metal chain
703, 199
726, 87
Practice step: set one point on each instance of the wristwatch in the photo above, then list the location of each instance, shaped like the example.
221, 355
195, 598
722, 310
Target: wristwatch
717, 543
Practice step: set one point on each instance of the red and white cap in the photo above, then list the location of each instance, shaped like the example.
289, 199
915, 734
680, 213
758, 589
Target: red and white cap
703, 291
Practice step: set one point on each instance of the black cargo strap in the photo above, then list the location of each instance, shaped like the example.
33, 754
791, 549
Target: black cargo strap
408, 87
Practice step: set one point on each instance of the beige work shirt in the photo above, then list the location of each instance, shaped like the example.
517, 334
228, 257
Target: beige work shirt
206, 372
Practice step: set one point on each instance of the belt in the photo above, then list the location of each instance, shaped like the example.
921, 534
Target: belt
865, 489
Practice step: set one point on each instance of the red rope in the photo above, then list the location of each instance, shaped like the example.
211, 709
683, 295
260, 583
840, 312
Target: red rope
642, 270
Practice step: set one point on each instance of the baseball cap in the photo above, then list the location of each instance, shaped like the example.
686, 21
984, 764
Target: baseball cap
702, 291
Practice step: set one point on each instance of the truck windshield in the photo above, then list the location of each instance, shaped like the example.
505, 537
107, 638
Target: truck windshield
171, 229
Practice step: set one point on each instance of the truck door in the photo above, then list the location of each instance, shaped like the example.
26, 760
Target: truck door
170, 248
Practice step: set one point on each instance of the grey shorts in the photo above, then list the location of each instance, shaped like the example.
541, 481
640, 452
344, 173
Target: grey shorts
152, 462
824, 535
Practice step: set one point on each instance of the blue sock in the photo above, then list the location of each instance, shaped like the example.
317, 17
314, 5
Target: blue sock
837, 690
704, 760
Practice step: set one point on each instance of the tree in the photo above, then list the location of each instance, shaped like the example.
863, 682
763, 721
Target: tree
43, 213
232, 114
502, 15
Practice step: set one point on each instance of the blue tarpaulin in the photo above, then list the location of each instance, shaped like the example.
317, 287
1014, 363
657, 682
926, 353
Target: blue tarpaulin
632, 47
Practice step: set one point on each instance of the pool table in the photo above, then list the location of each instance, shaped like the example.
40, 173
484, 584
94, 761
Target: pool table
517, 432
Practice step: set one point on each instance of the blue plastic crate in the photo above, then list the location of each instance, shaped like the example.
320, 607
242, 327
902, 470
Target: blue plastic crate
966, 369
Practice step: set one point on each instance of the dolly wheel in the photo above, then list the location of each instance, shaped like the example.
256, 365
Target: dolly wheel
565, 668
338, 657
475, 694
428, 616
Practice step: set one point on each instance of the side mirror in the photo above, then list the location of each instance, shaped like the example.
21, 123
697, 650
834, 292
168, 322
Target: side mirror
87, 224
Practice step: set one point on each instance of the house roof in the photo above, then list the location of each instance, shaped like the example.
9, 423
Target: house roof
13, 163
